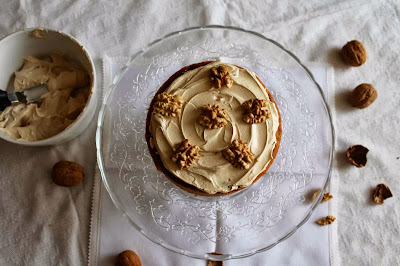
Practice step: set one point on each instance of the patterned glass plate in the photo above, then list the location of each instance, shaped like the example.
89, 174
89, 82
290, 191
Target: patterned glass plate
243, 223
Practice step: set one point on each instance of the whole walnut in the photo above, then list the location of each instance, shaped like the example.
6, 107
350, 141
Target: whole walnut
67, 174
363, 96
128, 258
354, 53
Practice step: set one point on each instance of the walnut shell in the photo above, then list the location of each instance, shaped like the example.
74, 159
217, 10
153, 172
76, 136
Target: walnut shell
357, 155
363, 96
381, 193
67, 174
354, 53
128, 258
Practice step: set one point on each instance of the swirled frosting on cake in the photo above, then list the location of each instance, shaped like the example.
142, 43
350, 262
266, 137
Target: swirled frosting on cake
212, 173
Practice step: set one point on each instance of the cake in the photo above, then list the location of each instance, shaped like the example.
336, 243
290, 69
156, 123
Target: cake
213, 128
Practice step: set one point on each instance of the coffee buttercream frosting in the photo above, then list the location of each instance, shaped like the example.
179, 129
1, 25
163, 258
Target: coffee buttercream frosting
68, 91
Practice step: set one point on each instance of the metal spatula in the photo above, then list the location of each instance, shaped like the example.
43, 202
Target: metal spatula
7, 97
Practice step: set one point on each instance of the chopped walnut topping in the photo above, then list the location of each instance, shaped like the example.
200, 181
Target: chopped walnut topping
253, 112
327, 196
220, 77
167, 105
213, 116
239, 154
381, 193
185, 154
326, 220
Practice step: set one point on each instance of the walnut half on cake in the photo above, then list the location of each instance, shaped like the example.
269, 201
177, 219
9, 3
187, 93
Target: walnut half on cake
213, 139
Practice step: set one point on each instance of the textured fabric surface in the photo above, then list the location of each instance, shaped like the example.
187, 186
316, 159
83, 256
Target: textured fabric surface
43, 225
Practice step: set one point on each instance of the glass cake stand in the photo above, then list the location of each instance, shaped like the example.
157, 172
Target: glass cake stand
244, 223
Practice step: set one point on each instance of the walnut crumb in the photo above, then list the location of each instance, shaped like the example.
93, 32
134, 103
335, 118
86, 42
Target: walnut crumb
220, 77
253, 112
239, 154
327, 196
167, 105
326, 220
185, 154
315, 195
213, 116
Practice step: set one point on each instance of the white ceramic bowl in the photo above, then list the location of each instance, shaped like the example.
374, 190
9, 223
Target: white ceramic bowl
15, 46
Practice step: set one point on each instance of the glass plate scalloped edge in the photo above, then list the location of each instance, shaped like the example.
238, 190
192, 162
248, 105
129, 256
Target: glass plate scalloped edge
120, 208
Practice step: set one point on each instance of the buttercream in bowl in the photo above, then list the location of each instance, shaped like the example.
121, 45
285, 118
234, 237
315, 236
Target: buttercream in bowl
60, 62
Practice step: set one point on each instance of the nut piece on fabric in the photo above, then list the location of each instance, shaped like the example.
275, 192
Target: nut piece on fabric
239, 154
185, 154
167, 105
128, 258
67, 174
253, 112
363, 96
354, 53
315, 195
381, 193
326, 220
357, 155
327, 196
220, 77
213, 116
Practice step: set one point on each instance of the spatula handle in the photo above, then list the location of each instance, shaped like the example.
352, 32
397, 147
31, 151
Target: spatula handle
4, 101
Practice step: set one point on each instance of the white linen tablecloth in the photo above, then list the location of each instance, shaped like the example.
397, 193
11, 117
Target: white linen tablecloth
42, 224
